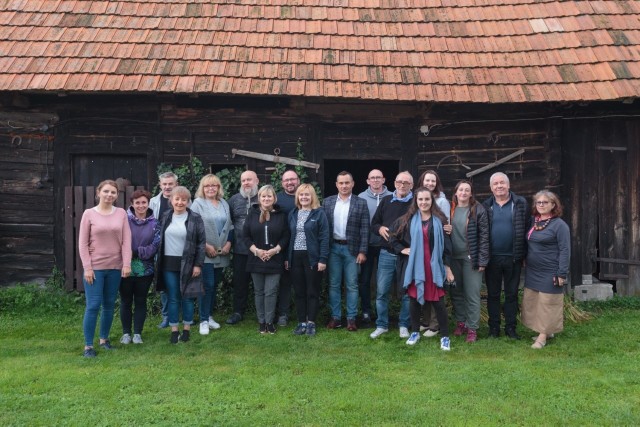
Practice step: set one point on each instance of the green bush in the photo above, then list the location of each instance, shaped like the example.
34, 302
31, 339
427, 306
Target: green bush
615, 303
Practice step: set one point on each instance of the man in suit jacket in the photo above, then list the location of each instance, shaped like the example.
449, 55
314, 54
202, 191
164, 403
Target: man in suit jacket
348, 217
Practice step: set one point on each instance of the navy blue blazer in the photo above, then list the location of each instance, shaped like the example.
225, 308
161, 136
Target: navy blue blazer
357, 223
316, 231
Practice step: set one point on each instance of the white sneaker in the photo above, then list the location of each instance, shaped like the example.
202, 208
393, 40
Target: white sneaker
445, 344
213, 324
429, 333
414, 338
137, 339
379, 331
404, 332
126, 339
204, 328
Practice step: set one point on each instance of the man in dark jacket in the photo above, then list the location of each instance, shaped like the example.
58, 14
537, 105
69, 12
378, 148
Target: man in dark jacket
348, 218
508, 216
239, 205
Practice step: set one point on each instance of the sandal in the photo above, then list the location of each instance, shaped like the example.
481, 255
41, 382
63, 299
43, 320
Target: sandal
538, 344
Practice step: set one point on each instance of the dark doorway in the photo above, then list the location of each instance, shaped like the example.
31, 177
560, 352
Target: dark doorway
91, 169
360, 170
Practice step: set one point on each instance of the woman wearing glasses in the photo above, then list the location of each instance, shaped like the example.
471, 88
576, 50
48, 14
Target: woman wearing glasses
547, 268
215, 213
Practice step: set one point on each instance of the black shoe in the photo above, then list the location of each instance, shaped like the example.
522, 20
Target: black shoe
511, 333
184, 336
366, 318
235, 318
89, 352
301, 329
106, 345
494, 333
174, 337
271, 328
311, 329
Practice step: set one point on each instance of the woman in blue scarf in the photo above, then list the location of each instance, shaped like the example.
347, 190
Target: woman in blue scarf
423, 262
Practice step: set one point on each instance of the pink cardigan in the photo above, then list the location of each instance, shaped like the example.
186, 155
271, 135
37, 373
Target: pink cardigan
109, 237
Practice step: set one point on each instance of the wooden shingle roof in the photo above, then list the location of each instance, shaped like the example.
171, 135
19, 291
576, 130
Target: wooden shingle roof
408, 50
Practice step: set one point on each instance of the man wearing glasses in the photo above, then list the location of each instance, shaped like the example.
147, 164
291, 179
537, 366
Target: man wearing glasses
509, 220
391, 208
373, 195
287, 203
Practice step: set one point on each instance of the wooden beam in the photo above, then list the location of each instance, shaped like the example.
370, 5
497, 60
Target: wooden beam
496, 163
275, 158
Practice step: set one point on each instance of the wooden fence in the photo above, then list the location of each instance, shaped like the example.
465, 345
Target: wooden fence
76, 200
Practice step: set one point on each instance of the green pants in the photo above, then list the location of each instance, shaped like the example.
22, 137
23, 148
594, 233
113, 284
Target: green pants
466, 294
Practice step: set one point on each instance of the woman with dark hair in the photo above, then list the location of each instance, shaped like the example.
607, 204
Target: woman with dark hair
216, 215
308, 255
104, 244
431, 180
470, 241
547, 268
266, 234
423, 261
145, 239
180, 260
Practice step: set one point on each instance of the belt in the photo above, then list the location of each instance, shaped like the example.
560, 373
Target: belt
340, 242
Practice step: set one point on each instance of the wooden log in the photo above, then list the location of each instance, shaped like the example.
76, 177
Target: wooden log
496, 163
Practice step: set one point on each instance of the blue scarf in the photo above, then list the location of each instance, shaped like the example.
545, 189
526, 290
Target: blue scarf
405, 199
415, 266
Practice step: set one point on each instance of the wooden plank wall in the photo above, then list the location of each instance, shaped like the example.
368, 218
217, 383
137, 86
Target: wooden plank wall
26, 211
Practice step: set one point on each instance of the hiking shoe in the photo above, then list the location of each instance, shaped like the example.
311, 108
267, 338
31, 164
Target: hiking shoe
472, 335
262, 328
413, 338
89, 352
460, 329
137, 339
271, 328
301, 329
213, 324
379, 331
235, 318
126, 339
311, 329
445, 344
106, 345
164, 323
175, 335
334, 323
185, 335
351, 325
204, 328
404, 332
282, 320
430, 333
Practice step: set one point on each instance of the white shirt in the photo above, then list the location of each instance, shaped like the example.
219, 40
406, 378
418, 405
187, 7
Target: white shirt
340, 217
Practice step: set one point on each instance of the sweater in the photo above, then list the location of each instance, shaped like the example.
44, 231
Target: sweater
104, 241
145, 240
386, 214
266, 236
548, 255
215, 237
477, 235
373, 201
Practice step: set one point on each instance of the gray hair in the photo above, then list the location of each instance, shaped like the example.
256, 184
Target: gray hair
498, 174
166, 175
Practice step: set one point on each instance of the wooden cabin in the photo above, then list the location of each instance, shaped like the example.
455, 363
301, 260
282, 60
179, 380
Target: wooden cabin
543, 91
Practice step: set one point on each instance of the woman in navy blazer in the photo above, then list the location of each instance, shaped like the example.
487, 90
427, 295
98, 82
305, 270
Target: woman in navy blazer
308, 255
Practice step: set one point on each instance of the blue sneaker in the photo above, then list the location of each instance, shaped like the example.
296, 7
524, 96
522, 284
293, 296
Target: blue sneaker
413, 338
164, 323
445, 344
301, 329
311, 329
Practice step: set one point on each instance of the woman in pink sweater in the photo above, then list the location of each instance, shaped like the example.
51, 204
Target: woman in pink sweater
104, 244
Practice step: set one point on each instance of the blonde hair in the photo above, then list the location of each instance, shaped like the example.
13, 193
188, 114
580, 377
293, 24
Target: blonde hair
315, 203
210, 179
264, 215
180, 191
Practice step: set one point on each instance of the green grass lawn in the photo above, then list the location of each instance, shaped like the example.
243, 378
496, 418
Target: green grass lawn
588, 375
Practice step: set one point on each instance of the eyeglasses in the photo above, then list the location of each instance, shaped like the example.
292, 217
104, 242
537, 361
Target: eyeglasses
375, 178
211, 186
289, 179
542, 202
403, 183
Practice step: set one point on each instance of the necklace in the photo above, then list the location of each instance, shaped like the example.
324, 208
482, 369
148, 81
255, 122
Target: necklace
541, 224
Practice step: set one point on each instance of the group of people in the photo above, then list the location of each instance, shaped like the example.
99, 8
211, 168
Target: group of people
425, 244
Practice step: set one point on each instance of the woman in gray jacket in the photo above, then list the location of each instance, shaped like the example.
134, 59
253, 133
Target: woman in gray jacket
216, 216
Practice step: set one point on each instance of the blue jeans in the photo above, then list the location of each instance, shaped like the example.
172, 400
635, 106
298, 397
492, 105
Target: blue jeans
385, 278
102, 294
207, 301
342, 263
172, 282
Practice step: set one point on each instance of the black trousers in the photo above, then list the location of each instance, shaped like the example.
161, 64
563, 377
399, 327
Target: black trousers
240, 283
502, 269
284, 294
134, 290
364, 282
306, 282
415, 310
